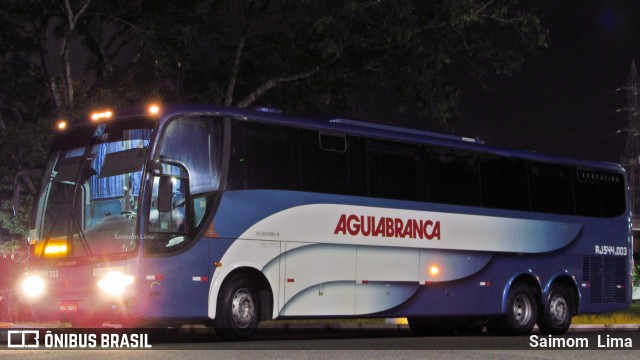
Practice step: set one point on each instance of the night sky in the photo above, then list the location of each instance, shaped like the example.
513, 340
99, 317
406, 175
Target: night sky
563, 101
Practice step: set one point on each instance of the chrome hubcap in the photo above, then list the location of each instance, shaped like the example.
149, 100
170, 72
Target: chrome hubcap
522, 309
242, 308
558, 309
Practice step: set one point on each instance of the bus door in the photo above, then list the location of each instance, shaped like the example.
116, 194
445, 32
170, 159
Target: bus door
185, 178
176, 267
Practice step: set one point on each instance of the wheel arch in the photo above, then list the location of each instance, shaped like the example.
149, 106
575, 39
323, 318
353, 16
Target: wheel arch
257, 277
569, 282
525, 277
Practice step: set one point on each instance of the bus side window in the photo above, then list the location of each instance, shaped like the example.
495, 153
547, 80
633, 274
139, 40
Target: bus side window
612, 194
551, 188
587, 193
357, 166
237, 178
271, 157
599, 193
323, 168
395, 171
199, 210
453, 177
504, 183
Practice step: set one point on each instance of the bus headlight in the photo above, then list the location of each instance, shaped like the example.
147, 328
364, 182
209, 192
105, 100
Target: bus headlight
115, 283
33, 286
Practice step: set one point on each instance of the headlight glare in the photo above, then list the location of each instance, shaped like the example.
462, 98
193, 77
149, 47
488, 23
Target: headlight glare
33, 286
115, 283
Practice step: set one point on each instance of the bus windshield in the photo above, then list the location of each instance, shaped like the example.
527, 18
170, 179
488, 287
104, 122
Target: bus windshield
88, 205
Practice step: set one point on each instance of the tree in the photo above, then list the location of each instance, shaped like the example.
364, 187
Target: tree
24, 132
420, 51
312, 56
66, 56
241, 52
315, 56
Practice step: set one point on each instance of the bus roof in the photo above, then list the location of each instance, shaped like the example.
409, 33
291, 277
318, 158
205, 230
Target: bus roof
339, 126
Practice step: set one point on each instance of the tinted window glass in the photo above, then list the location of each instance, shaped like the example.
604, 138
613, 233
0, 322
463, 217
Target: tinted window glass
357, 166
237, 177
453, 177
587, 193
551, 188
322, 170
196, 144
271, 157
612, 193
504, 183
395, 171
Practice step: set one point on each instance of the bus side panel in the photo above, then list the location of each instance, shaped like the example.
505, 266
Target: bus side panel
458, 298
320, 279
478, 293
385, 277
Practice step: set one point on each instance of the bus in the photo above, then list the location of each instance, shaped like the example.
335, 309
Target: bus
228, 217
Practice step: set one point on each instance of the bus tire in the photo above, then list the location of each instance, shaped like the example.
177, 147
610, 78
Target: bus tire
522, 310
521, 313
554, 317
237, 314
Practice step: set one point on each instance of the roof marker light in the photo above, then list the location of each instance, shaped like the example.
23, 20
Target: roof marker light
105, 115
61, 125
153, 109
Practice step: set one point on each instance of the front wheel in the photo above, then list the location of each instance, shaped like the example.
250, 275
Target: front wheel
555, 316
237, 313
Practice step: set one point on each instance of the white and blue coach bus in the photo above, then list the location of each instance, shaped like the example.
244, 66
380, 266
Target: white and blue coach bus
227, 217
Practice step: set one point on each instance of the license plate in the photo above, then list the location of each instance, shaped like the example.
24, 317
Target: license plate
68, 306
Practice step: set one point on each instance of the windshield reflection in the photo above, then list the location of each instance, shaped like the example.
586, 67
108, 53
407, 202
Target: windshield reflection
88, 206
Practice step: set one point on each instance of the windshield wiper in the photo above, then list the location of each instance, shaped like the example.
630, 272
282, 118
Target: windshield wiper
47, 237
81, 237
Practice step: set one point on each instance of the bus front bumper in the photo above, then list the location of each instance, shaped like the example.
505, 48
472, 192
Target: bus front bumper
85, 312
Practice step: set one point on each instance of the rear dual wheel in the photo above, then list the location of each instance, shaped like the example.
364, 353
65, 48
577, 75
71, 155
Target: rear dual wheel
522, 312
555, 316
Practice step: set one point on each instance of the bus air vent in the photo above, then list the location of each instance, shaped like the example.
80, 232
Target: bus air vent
605, 274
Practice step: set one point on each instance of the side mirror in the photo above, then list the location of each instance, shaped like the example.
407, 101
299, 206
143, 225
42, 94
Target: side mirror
165, 194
